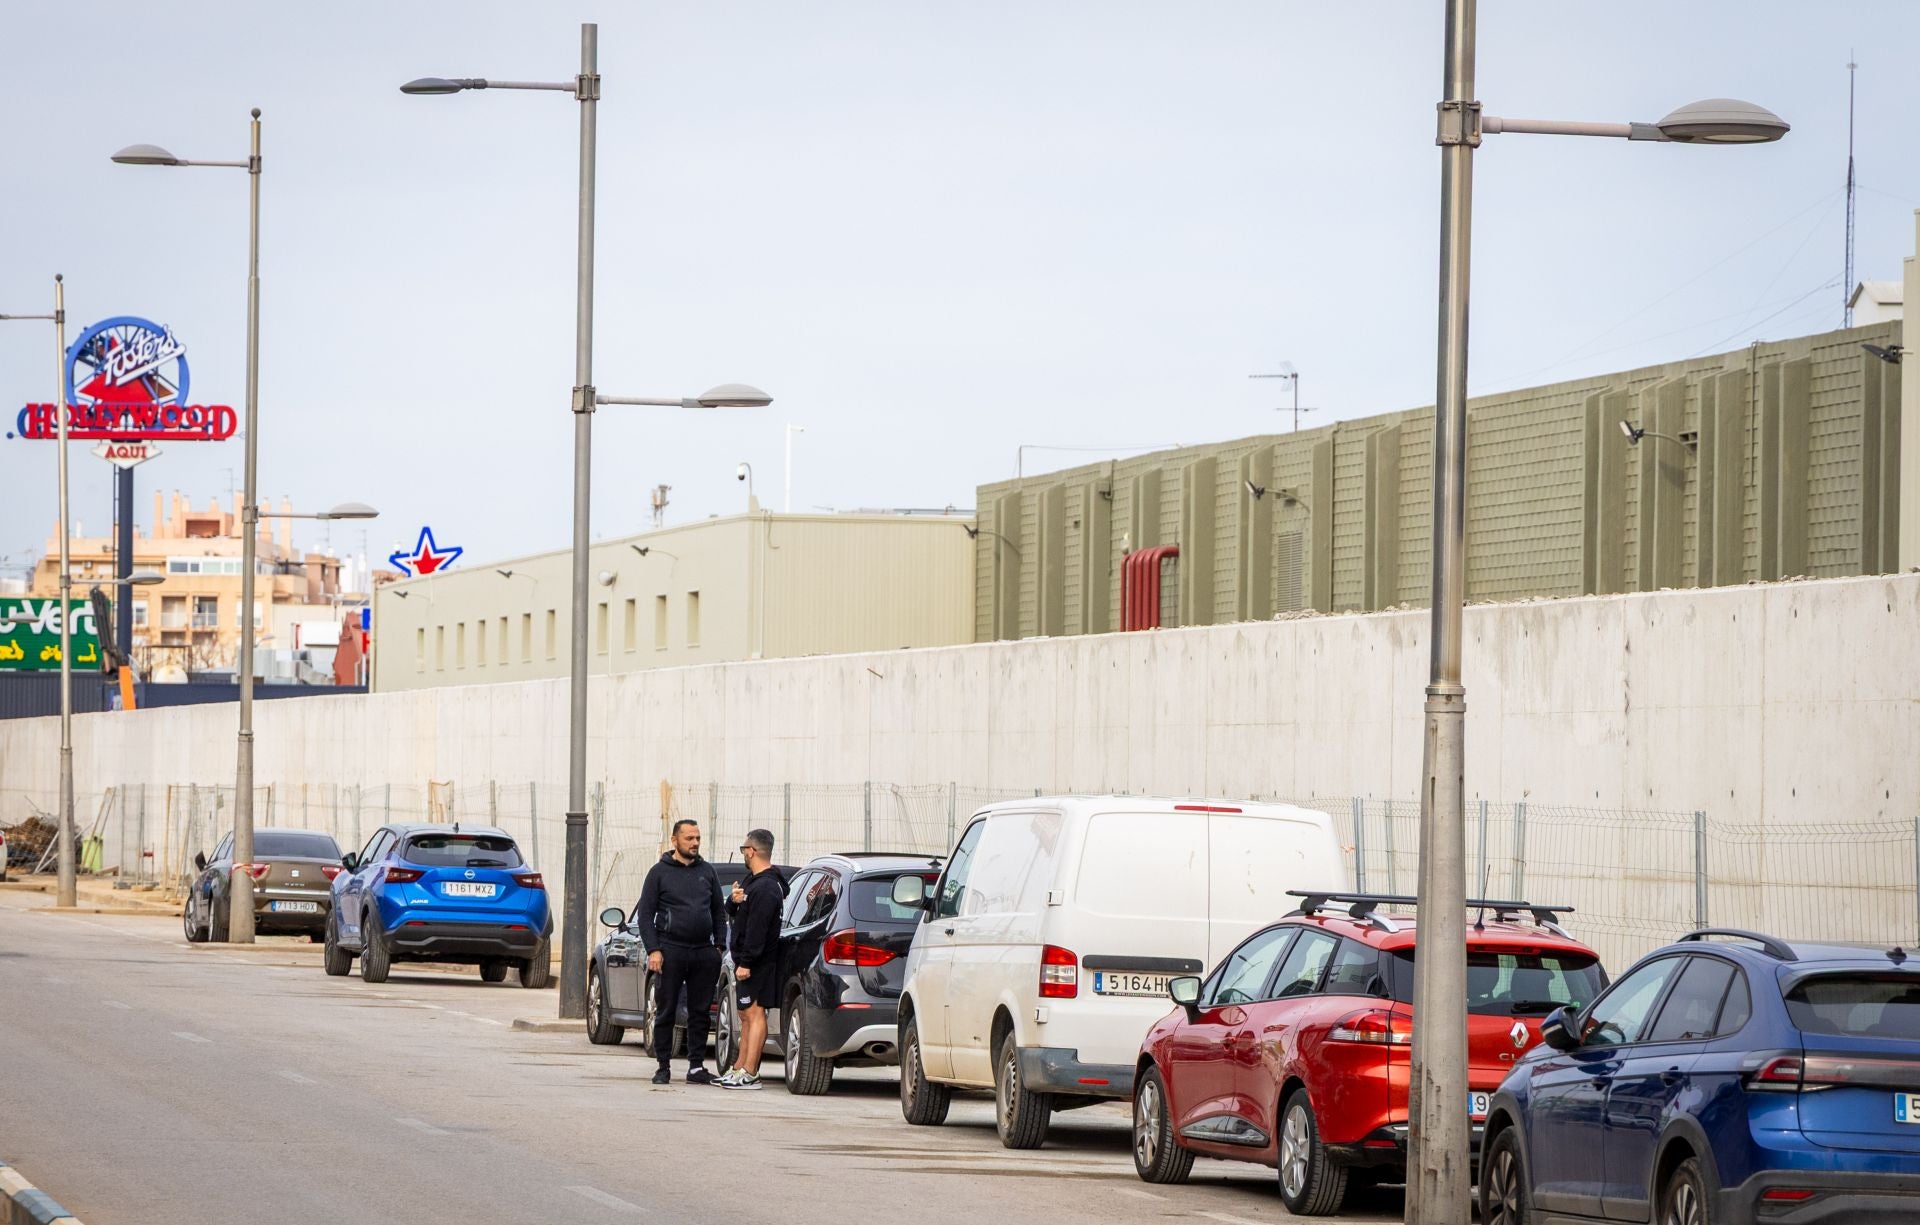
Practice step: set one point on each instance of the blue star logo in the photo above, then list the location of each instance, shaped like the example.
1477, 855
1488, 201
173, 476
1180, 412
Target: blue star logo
427, 556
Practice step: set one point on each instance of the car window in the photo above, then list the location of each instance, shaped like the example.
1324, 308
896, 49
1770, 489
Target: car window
871, 899
462, 851
1621, 1014
820, 898
1867, 1005
1694, 1003
1300, 972
1355, 970
953, 885
370, 852
1243, 976
796, 904
294, 844
225, 849
1737, 1007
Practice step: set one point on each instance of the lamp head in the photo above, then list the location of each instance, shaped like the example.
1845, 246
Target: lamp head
608, 576
733, 395
349, 510
740, 472
1633, 435
1722, 121
144, 578
441, 85
145, 155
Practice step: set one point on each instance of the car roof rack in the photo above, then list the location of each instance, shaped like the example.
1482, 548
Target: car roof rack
1772, 946
1364, 906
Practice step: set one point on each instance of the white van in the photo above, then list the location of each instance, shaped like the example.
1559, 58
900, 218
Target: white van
1043, 952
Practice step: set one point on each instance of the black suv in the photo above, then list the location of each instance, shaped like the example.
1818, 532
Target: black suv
843, 957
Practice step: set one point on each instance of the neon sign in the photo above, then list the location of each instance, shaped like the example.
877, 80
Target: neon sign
127, 381
427, 556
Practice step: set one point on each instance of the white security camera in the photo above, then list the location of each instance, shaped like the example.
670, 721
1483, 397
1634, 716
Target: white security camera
740, 472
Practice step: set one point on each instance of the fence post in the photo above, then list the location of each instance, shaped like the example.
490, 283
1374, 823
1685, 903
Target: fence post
599, 804
953, 803
1699, 869
386, 805
1916, 866
713, 805
786, 816
359, 798
1520, 850
1393, 871
1483, 848
1359, 844
140, 838
866, 816
493, 803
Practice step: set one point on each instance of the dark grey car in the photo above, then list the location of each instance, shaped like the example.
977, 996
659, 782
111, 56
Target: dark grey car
291, 873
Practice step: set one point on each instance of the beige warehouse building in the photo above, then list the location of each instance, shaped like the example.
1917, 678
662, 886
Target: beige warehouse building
759, 585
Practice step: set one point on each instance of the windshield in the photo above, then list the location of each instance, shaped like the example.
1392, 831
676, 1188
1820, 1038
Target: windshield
461, 851
1515, 982
1861, 1005
871, 898
290, 844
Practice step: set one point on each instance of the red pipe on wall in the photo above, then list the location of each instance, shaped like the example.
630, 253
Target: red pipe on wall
1140, 587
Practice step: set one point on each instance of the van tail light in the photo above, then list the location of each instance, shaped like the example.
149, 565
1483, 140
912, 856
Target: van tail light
331, 870
529, 880
1059, 973
402, 876
1373, 1026
255, 870
844, 949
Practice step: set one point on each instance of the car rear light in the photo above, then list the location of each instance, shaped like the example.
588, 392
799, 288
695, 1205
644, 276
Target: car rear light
529, 880
844, 949
331, 870
401, 876
1059, 973
1788, 1195
1781, 1074
1204, 808
1373, 1026
256, 870
1810, 1072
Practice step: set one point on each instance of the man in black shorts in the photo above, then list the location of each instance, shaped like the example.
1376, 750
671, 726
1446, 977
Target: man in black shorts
755, 906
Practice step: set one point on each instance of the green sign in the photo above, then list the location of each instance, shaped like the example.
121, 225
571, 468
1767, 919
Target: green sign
30, 635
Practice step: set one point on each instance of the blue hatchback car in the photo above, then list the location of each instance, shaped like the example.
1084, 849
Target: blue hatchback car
444, 893
1730, 1077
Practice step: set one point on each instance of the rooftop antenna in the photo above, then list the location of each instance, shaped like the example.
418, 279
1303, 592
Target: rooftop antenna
660, 504
1847, 286
1290, 374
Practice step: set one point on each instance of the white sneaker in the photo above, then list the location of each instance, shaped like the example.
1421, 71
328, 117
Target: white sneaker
739, 1080
728, 1080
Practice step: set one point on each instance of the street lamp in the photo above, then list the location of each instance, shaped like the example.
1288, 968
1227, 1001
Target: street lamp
585, 88
240, 924
1438, 1172
67, 889
1636, 433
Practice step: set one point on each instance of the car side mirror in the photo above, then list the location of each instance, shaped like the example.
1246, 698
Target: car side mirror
613, 916
1556, 1033
1185, 991
910, 889
200, 860
350, 861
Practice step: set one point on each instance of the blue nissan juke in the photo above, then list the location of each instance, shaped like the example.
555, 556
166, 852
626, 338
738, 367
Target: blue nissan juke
1730, 1077
444, 893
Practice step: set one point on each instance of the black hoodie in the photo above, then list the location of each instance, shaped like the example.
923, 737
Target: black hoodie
680, 905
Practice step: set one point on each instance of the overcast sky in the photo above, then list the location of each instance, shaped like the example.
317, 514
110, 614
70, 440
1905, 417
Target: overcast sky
935, 232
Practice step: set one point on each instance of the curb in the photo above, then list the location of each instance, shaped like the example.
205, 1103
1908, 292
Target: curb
26, 1204
542, 1025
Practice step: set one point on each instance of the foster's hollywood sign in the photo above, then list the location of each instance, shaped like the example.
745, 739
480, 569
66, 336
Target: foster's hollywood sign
127, 381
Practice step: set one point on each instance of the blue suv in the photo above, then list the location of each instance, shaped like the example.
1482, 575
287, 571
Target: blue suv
445, 893
1727, 1077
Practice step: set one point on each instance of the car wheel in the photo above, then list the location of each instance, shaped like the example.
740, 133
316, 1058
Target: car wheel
726, 1024
1505, 1198
600, 1030
536, 971
808, 1075
336, 960
1683, 1201
922, 1102
1311, 1182
216, 922
1157, 1155
1020, 1115
494, 970
375, 959
196, 934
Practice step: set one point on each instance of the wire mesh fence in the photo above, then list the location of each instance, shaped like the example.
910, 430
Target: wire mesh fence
1634, 878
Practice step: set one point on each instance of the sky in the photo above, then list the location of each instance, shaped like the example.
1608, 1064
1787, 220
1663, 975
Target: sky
935, 233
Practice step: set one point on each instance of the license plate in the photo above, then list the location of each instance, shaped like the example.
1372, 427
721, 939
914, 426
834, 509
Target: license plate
1906, 1107
294, 907
1126, 982
466, 888
1477, 1105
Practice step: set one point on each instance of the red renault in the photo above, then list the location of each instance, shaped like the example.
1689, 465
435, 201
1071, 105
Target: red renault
1294, 1051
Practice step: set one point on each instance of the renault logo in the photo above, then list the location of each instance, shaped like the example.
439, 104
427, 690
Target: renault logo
1518, 1033
1521, 1038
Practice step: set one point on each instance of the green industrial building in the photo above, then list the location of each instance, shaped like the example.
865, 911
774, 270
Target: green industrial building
1772, 461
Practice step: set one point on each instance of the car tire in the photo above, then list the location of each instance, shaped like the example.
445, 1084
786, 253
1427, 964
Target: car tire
1020, 1115
726, 1023
537, 971
217, 928
1312, 1183
196, 934
1157, 1155
922, 1102
808, 1075
1684, 1200
336, 960
376, 960
1505, 1197
494, 970
600, 1030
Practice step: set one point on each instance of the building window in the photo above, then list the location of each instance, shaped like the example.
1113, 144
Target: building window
693, 618
659, 623
173, 612
420, 649
553, 632
600, 628
630, 626
206, 612
526, 638
439, 648
139, 614
460, 645
480, 643
505, 659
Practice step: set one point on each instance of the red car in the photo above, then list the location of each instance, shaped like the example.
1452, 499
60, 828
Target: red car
1294, 1051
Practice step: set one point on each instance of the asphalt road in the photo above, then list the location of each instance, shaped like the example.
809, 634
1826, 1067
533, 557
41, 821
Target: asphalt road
144, 1081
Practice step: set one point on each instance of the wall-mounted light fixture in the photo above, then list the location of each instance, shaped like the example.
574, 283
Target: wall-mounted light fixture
1890, 354
1635, 434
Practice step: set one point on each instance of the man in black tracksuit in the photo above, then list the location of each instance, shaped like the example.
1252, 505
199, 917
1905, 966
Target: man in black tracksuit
681, 924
